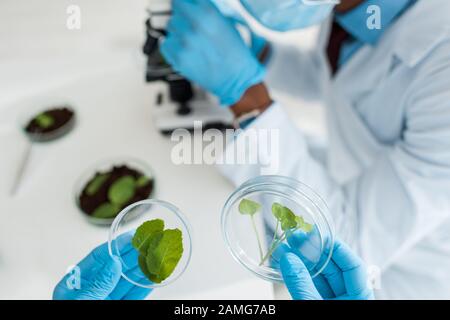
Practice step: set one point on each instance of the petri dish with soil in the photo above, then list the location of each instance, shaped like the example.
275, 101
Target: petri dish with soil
111, 185
269, 215
50, 124
152, 241
42, 126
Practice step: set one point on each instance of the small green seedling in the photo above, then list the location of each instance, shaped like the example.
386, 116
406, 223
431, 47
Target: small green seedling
142, 181
287, 221
249, 207
96, 184
119, 193
159, 250
44, 120
106, 211
122, 190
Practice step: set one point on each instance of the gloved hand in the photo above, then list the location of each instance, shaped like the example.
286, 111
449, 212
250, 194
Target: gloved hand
258, 44
344, 278
100, 277
205, 47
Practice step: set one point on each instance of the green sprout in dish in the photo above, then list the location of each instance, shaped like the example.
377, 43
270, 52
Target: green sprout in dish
96, 183
119, 193
249, 207
287, 221
44, 120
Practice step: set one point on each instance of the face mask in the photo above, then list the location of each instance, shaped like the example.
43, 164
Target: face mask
287, 15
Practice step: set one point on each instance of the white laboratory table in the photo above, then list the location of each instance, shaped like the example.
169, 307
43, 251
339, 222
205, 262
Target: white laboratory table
42, 232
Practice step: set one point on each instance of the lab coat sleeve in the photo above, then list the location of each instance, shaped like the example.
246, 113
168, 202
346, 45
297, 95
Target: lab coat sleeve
393, 204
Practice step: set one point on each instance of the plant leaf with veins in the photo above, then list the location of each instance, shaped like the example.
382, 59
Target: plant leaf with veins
159, 250
249, 207
286, 217
163, 254
142, 235
303, 225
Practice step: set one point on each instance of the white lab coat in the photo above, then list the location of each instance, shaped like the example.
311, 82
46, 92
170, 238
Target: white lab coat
387, 174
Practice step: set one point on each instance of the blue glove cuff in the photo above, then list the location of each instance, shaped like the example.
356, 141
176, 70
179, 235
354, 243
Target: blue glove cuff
237, 90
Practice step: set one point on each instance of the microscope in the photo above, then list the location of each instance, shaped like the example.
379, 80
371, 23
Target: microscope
180, 103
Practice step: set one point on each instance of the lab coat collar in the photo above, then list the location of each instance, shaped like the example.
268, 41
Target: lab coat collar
422, 28
411, 38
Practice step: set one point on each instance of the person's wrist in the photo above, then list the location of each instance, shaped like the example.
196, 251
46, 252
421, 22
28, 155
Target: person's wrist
256, 97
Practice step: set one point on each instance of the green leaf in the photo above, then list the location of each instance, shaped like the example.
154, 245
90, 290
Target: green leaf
300, 221
44, 120
160, 250
303, 225
249, 207
142, 261
307, 227
163, 254
144, 232
288, 224
286, 217
142, 181
277, 211
106, 211
96, 184
122, 190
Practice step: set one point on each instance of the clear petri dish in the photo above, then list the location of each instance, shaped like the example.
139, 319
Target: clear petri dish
257, 241
124, 227
105, 166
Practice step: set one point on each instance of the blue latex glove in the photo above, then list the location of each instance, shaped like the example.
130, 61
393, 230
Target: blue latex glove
257, 43
344, 278
101, 278
205, 47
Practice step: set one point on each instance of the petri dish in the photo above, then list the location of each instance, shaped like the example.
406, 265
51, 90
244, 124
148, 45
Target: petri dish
43, 137
105, 166
124, 227
55, 123
257, 241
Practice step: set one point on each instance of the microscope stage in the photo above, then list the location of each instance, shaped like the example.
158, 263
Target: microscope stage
203, 108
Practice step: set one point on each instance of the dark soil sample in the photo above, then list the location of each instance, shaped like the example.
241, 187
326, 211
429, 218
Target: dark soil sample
107, 193
50, 121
